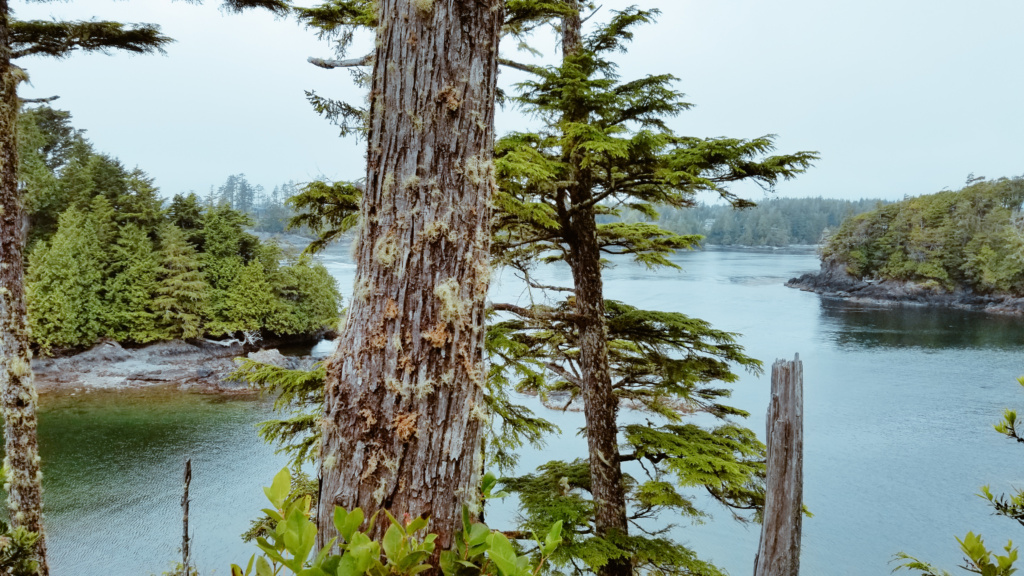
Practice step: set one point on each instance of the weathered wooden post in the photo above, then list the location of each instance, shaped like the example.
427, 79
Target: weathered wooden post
778, 553
185, 548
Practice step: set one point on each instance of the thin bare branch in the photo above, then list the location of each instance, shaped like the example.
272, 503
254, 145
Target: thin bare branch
351, 63
532, 69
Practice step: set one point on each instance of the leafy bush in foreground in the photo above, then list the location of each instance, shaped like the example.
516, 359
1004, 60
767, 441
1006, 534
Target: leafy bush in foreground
288, 547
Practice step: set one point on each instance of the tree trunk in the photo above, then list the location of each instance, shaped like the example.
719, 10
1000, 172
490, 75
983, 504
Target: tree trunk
778, 551
404, 399
599, 404
17, 387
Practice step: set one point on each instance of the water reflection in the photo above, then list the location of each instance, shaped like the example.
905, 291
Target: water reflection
112, 465
908, 326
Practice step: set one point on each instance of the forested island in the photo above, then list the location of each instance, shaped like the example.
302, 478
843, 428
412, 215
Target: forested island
107, 259
961, 248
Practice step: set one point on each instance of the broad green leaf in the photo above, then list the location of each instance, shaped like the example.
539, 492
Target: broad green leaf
411, 559
392, 542
277, 493
502, 554
553, 539
416, 525
478, 534
263, 567
347, 522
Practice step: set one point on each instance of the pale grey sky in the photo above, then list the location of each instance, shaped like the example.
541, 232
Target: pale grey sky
899, 96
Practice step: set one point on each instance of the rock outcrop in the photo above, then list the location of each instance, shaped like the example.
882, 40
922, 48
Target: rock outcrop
834, 281
187, 364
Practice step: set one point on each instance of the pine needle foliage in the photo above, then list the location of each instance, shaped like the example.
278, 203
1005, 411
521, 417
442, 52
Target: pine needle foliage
182, 290
329, 210
131, 287
301, 394
59, 39
605, 147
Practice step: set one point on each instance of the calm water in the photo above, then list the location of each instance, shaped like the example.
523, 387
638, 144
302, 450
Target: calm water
899, 404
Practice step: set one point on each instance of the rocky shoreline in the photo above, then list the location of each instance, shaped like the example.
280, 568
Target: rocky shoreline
193, 365
833, 281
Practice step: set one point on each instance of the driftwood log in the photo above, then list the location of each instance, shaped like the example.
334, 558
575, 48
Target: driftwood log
778, 553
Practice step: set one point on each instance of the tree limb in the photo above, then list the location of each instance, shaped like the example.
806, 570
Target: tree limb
331, 64
532, 69
533, 314
38, 100
60, 39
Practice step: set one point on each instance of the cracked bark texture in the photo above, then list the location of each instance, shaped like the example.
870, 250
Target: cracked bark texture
17, 387
404, 399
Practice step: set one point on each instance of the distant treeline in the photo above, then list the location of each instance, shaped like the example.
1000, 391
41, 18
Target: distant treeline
972, 238
268, 211
108, 258
773, 222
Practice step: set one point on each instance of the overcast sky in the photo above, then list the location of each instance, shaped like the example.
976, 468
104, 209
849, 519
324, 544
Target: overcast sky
898, 96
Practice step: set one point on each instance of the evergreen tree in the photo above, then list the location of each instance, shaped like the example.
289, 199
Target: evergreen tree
249, 301
307, 298
131, 287
605, 144
182, 291
969, 239
186, 213
65, 283
329, 210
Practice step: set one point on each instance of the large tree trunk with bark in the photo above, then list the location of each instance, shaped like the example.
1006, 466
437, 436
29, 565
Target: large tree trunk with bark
404, 398
599, 403
17, 387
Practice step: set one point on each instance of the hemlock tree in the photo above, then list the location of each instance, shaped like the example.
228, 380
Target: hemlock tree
404, 398
55, 39
605, 145
66, 279
181, 290
132, 287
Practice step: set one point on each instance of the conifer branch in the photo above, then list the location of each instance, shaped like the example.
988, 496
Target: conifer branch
60, 39
350, 63
278, 7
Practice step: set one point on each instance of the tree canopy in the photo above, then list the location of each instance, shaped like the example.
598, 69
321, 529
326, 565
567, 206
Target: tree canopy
109, 261
972, 239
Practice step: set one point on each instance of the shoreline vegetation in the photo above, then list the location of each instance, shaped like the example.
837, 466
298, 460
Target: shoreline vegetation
962, 249
109, 260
